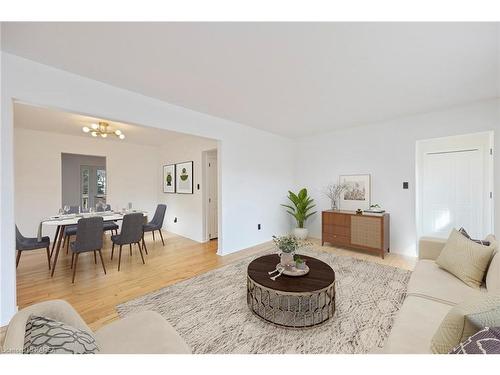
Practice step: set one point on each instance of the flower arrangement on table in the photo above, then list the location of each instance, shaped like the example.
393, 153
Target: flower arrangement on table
287, 247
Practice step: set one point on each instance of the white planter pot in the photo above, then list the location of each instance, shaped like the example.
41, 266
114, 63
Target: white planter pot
300, 233
286, 259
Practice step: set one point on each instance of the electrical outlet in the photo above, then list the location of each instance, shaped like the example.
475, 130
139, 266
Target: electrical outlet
259, 227
175, 220
405, 185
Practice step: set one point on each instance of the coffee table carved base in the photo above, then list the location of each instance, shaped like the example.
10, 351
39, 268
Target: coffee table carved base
297, 310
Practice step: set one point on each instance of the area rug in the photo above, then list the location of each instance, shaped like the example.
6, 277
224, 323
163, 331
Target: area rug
210, 311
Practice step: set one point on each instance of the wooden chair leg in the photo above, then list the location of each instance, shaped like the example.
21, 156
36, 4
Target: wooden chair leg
142, 256
102, 261
153, 236
95, 257
67, 244
48, 255
74, 267
161, 235
18, 257
112, 250
72, 259
144, 244
130, 245
119, 258
55, 240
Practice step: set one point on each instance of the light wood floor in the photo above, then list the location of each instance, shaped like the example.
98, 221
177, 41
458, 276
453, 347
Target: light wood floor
95, 295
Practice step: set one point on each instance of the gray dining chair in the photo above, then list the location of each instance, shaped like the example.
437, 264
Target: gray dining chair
131, 233
88, 238
157, 222
28, 243
70, 230
109, 226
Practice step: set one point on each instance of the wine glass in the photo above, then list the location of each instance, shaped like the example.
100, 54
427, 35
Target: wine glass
66, 208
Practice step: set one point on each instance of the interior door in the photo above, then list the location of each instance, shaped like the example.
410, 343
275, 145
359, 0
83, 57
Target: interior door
455, 178
212, 196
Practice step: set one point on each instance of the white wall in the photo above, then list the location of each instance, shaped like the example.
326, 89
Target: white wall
188, 208
131, 173
257, 166
387, 151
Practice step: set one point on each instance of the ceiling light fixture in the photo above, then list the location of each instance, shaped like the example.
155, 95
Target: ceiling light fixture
103, 130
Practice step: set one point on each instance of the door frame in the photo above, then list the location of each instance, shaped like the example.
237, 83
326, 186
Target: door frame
421, 148
206, 212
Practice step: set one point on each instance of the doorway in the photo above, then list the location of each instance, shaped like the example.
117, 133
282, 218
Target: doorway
84, 182
455, 184
211, 200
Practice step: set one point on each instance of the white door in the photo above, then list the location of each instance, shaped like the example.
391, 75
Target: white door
212, 221
455, 185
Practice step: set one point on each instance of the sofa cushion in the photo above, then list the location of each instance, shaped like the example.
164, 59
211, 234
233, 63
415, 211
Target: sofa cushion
493, 274
465, 259
48, 336
414, 325
142, 333
430, 281
455, 328
486, 341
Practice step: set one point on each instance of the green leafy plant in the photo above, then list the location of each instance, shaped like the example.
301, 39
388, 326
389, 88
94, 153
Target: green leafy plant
302, 205
289, 243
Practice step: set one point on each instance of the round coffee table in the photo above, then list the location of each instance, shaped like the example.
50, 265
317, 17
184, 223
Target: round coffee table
289, 301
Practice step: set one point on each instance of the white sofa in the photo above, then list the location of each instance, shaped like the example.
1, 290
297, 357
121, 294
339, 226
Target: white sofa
142, 333
432, 292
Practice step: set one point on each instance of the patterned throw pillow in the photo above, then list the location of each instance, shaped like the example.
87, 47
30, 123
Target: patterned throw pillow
486, 341
464, 233
465, 259
464, 320
47, 336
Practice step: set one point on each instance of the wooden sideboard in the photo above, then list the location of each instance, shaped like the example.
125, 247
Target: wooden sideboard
350, 230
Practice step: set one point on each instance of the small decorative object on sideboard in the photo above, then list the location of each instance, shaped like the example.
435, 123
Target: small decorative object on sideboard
302, 205
333, 192
359, 211
375, 209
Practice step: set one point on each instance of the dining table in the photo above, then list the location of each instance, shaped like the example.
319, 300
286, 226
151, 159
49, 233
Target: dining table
62, 221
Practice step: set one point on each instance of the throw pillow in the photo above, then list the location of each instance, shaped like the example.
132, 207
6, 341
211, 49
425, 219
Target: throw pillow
464, 233
465, 259
456, 327
486, 341
47, 336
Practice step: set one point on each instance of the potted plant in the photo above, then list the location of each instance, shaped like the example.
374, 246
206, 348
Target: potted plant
300, 209
287, 246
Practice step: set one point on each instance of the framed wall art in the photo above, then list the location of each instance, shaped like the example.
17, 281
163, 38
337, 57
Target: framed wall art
184, 177
169, 178
358, 192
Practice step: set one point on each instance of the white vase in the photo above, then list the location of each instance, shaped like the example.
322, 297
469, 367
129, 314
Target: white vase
300, 233
286, 259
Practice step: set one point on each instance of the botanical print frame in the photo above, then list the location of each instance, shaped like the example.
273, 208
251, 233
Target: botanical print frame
169, 178
184, 177
358, 194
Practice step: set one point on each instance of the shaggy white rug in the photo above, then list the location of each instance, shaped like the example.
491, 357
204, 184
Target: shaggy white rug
210, 311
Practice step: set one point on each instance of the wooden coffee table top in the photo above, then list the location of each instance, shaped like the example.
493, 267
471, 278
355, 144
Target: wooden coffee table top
320, 275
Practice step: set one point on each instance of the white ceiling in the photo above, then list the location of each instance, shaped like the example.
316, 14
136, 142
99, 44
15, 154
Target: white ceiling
292, 79
44, 119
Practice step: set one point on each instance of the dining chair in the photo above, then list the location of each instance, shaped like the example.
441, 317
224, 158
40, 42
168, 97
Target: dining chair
157, 222
27, 244
70, 230
131, 233
88, 238
109, 226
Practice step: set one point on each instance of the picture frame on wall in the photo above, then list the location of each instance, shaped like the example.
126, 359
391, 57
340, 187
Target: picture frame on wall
184, 177
358, 193
169, 178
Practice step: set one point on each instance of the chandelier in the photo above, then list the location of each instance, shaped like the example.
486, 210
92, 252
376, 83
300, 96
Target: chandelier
102, 129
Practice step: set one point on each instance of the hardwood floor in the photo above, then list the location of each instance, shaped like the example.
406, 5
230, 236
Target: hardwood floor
95, 295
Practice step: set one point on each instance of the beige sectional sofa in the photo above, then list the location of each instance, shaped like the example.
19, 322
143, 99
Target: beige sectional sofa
142, 333
432, 292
